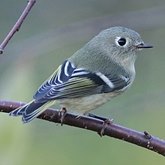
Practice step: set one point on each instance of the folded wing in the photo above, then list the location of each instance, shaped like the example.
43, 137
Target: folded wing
71, 82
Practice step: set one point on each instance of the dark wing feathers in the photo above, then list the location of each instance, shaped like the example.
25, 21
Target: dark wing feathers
120, 81
60, 76
70, 82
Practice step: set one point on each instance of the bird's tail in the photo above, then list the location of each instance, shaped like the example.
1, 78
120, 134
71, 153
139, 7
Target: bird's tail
29, 111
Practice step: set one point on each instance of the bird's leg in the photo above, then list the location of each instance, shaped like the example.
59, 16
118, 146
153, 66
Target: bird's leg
62, 114
106, 122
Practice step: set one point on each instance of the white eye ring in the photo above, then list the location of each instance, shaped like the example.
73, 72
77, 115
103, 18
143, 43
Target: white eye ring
121, 41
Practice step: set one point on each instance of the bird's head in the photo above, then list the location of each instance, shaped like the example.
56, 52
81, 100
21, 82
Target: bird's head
121, 43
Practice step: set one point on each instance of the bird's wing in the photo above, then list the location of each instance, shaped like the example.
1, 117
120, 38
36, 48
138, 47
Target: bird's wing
60, 76
71, 82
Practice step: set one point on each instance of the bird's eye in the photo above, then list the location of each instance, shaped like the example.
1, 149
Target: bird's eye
120, 41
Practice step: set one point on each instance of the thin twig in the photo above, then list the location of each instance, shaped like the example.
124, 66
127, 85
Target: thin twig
143, 139
17, 25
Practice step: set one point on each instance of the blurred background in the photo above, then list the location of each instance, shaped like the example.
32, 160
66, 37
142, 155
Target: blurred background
53, 31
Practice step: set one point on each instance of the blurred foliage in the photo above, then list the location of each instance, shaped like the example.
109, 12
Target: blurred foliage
53, 31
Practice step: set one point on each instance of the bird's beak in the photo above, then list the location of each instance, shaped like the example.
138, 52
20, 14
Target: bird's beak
142, 45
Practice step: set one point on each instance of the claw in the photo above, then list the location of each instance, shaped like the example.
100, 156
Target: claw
147, 135
62, 114
105, 124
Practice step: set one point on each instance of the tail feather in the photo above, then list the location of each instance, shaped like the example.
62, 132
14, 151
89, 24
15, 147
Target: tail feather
32, 108
31, 114
20, 110
28, 111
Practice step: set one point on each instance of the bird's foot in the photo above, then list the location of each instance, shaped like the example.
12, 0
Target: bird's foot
105, 124
62, 114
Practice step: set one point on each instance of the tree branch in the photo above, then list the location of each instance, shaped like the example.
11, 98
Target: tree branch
112, 130
17, 25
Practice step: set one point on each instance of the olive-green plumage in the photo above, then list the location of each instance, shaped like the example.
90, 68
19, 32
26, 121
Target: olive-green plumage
100, 70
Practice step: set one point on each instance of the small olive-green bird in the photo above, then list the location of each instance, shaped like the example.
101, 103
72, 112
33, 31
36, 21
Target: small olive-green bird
99, 71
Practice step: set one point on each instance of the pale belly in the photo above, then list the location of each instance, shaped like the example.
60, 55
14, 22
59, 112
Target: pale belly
86, 104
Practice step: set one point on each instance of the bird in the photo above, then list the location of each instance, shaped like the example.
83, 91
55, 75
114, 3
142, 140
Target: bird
99, 71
